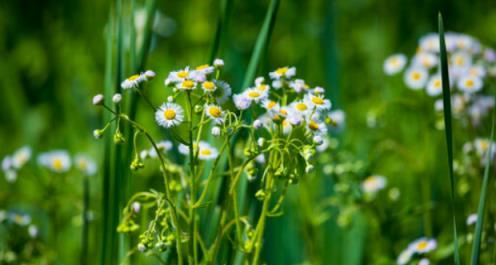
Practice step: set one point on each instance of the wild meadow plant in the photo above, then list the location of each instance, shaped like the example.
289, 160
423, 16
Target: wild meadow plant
34, 236
268, 134
471, 68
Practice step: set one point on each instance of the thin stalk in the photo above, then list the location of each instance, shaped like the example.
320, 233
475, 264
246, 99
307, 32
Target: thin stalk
448, 130
85, 231
482, 201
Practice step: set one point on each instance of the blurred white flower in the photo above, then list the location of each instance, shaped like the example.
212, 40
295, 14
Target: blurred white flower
394, 64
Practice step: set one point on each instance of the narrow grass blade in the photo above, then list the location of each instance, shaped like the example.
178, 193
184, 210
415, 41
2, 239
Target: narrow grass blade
262, 42
448, 128
222, 23
482, 202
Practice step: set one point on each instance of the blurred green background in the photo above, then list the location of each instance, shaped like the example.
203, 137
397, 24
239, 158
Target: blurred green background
52, 62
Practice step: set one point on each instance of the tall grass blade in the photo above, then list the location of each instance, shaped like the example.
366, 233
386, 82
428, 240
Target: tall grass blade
448, 128
482, 202
222, 23
262, 42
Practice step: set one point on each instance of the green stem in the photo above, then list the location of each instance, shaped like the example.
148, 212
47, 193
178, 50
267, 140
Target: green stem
85, 231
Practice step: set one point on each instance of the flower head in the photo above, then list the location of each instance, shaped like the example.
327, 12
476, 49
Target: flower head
394, 64
85, 164
169, 115
215, 113
58, 161
206, 151
373, 184
133, 81
416, 77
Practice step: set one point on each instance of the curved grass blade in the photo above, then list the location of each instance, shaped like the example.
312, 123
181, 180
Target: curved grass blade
448, 129
482, 202
262, 42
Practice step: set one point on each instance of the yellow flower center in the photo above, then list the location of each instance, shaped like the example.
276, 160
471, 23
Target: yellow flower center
469, 83
205, 152
208, 85
422, 245
201, 67
313, 125
133, 77
285, 123
416, 76
459, 60
262, 87
57, 164
182, 74
271, 104
484, 145
317, 100
253, 94
437, 83
282, 70
188, 84
83, 164
169, 114
283, 112
301, 106
214, 111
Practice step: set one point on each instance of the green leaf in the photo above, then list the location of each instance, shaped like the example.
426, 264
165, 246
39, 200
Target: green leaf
482, 202
448, 128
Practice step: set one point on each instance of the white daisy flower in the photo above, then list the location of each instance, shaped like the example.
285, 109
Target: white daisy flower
472, 219
255, 95
469, 84
429, 43
338, 118
426, 60
283, 72
373, 184
317, 101
85, 164
169, 115
223, 93
323, 146
259, 80
416, 77
162, 146
434, 86
482, 146
133, 81
215, 113
20, 219
298, 85
179, 76
33, 231
264, 88
270, 105
116, 98
205, 69
241, 102
477, 71
423, 245
316, 127
207, 152
405, 256
208, 86
461, 60
21, 157
58, 161
186, 85
394, 64
302, 108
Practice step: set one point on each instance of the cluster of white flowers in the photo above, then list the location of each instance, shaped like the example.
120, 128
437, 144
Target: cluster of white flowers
418, 247
480, 147
469, 65
134, 81
301, 106
20, 219
12, 163
59, 161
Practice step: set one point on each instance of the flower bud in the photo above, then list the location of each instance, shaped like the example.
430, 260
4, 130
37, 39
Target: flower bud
141, 247
257, 124
216, 131
118, 138
198, 108
218, 63
136, 207
98, 100
170, 99
97, 133
117, 98
260, 195
149, 75
167, 82
261, 141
